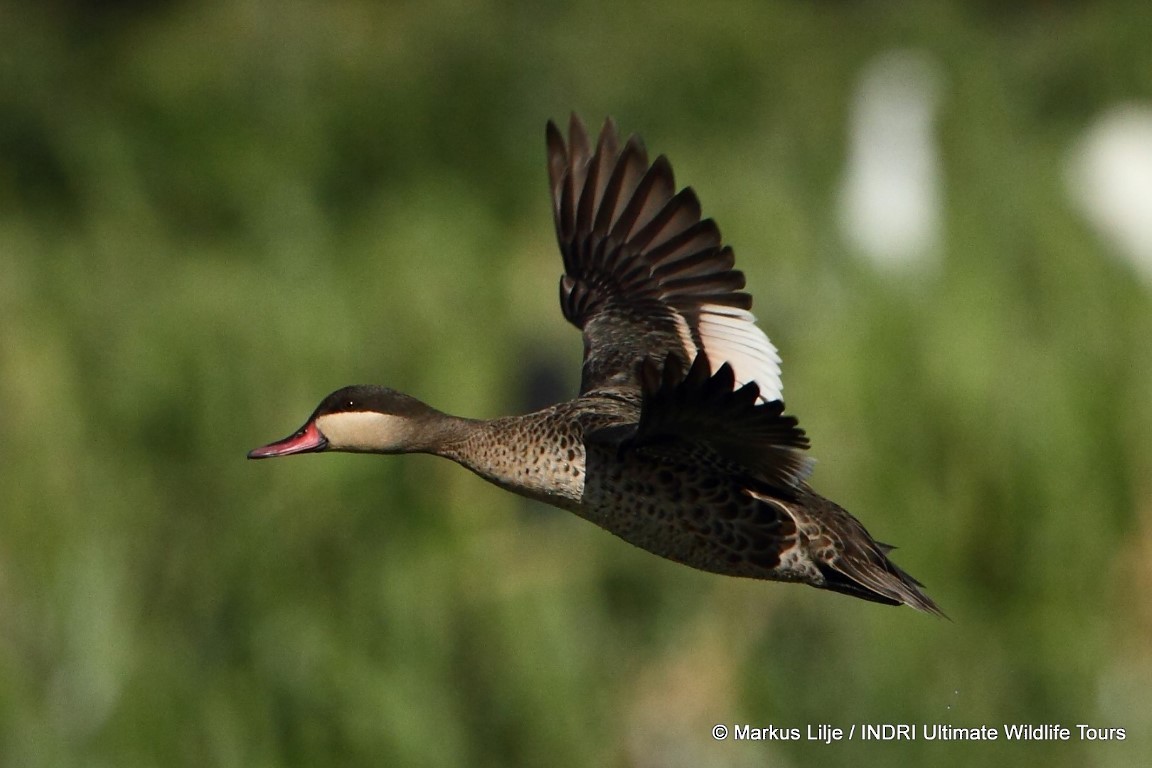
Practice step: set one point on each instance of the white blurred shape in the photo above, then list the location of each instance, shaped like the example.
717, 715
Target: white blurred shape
1110, 178
890, 195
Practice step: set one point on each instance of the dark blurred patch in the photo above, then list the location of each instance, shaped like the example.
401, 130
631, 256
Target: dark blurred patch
544, 381
33, 177
97, 17
1065, 96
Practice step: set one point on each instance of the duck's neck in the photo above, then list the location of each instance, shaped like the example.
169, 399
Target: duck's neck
522, 454
440, 434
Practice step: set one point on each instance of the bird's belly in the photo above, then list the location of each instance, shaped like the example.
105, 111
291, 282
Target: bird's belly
686, 513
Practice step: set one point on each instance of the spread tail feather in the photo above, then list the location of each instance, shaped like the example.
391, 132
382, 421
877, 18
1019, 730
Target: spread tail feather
887, 584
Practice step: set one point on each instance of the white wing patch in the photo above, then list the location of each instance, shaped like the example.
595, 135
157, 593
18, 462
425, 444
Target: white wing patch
685, 334
730, 335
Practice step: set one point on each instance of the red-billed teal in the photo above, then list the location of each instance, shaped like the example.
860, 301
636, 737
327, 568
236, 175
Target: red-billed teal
677, 442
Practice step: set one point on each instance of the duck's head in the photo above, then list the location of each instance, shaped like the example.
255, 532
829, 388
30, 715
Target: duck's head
359, 419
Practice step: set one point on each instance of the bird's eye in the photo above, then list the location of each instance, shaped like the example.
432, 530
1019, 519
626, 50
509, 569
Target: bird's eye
349, 404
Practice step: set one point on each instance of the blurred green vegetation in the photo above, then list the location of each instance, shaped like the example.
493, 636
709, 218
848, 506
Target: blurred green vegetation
214, 213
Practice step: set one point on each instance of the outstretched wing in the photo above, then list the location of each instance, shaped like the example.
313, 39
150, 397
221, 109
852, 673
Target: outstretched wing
644, 275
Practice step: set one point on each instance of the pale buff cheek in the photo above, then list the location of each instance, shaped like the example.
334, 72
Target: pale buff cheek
364, 431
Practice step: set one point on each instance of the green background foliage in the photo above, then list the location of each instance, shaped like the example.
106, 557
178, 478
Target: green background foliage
214, 213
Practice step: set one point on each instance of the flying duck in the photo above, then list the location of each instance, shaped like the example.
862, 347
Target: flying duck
678, 442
